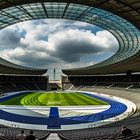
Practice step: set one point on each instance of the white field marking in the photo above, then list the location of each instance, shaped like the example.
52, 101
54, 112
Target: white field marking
43, 112
131, 108
27, 110
74, 111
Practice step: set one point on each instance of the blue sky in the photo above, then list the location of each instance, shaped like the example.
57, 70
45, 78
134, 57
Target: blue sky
56, 44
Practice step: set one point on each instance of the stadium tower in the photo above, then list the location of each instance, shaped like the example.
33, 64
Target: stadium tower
54, 72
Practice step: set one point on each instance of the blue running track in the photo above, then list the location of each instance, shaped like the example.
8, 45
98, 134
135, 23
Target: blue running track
55, 121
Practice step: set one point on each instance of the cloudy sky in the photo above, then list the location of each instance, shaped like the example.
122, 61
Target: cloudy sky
56, 44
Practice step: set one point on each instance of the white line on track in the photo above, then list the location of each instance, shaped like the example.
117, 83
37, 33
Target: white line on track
131, 107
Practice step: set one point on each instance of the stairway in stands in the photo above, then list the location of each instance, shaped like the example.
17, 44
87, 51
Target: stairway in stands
53, 136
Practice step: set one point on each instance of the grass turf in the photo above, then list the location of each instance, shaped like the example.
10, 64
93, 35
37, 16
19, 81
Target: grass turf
53, 99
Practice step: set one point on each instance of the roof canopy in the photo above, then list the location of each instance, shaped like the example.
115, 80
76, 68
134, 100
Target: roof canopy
121, 18
7, 67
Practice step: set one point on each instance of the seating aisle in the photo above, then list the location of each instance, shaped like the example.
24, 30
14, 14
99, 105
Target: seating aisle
53, 136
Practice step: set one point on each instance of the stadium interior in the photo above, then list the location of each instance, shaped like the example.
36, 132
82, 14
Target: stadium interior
118, 76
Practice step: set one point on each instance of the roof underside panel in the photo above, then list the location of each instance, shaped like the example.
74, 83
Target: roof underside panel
121, 18
7, 67
128, 9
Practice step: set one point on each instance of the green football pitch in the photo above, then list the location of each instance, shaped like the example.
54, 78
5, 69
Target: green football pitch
53, 99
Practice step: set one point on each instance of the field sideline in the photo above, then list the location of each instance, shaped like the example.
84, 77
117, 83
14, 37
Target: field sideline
53, 99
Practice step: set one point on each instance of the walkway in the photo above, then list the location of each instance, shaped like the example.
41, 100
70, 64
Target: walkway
53, 136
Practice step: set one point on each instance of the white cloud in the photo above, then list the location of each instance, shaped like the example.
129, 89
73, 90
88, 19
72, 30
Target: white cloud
51, 43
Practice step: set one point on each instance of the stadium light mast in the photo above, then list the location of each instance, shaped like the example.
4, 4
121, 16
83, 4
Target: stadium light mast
54, 74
